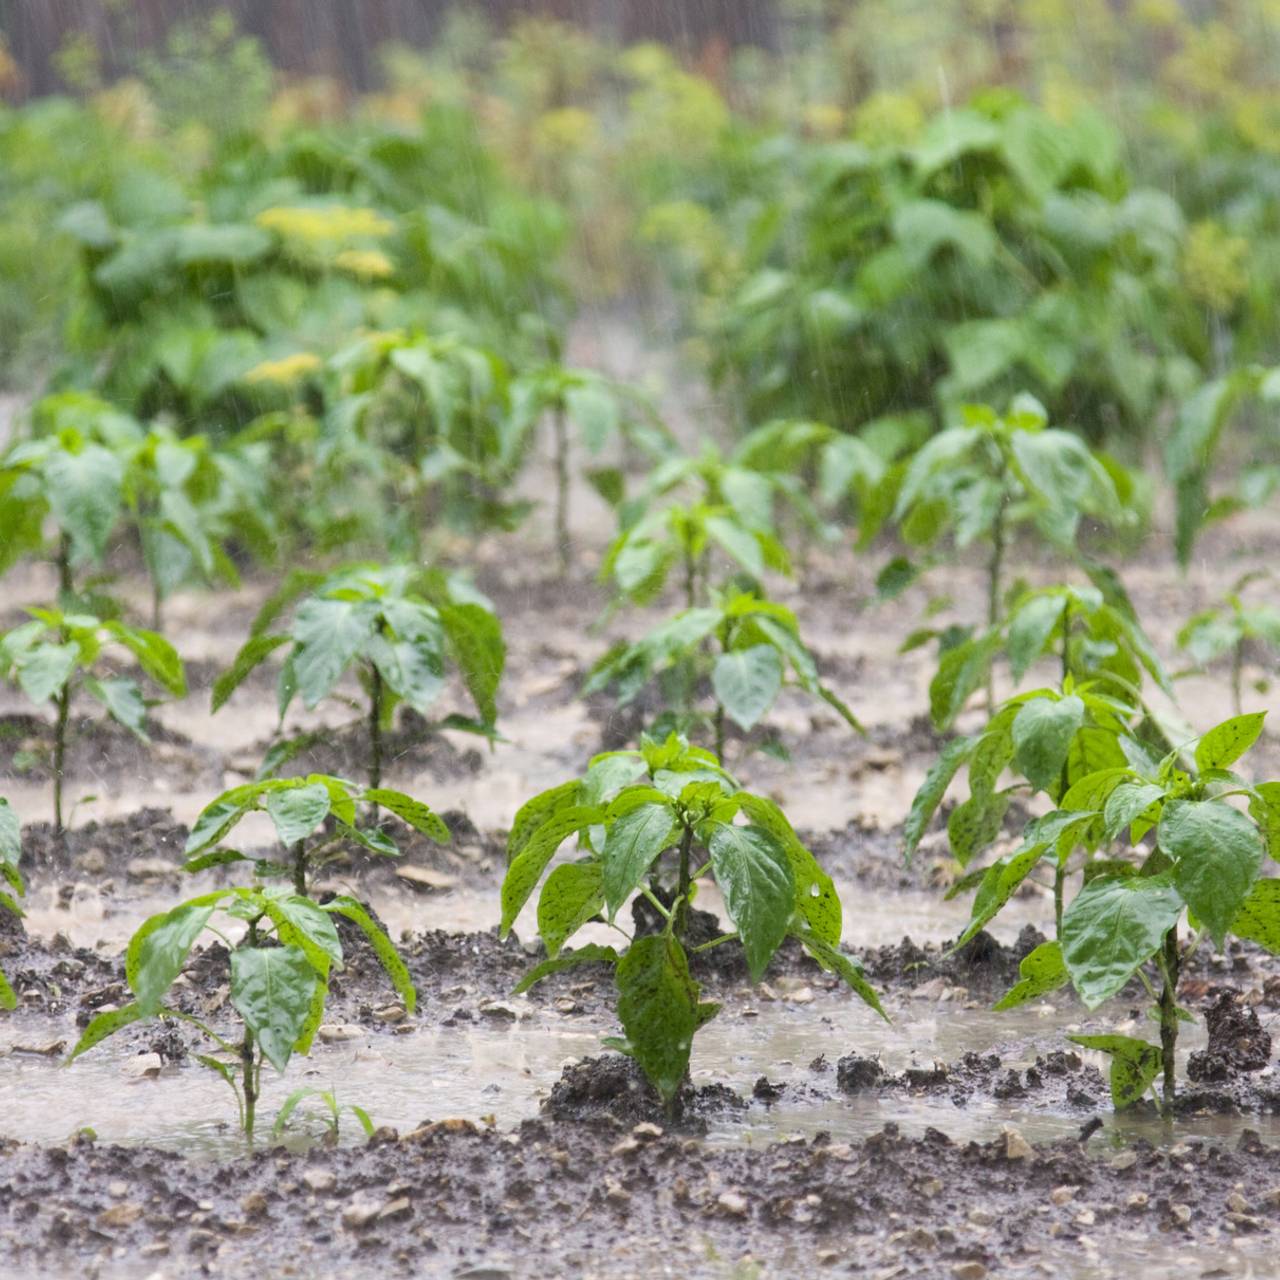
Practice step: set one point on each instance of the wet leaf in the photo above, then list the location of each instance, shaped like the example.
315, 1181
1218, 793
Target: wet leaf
159, 949
1134, 1065
754, 874
1042, 970
590, 954
272, 989
572, 895
631, 844
1223, 745
659, 1010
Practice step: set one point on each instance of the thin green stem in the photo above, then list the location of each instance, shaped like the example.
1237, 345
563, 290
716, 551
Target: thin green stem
681, 917
1237, 675
64, 567
60, 753
375, 726
656, 903
715, 942
564, 546
248, 1051
690, 576
1169, 1017
1059, 883
300, 869
995, 567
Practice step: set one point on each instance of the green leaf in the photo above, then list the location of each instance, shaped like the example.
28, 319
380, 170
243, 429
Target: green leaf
272, 989
158, 950
833, 960
816, 899
10, 834
895, 578
1042, 734
219, 816
975, 824
590, 954
1134, 1064
1264, 808
1217, 852
1127, 802
746, 681
249, 657
999, 884
301, 923
527, 866
418, 815
1030, 628
754, 874
1111, 927
104, 1025
925, 803
475, 636
8, 997
123, 700
155, 655
658, 1008
298, 810
330, 635
740, 543
572, 895
1222, 746
85, 496
533, 813
1042, 971
383, 947
44, 669
961, 670
631, 844
1258, 919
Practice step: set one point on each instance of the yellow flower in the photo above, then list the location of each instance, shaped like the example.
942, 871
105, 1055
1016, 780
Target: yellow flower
285, 371
1213, 265
365, 264
324, 226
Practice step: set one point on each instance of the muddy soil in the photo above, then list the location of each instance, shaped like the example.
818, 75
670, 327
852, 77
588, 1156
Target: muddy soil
609, 1199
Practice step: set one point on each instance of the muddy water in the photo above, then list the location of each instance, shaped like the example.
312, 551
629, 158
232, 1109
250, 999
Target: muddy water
479, 1072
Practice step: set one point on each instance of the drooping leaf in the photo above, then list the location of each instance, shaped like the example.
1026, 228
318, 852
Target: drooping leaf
1042, 970
746, 681
833, 960
159, 949
571, 895
250, 656
754, 874
419, 816
526, 868
297, 811
123, 700
155, 655
631, 844
104, 1025
1113, 925
1217, 853
475, 636
382, 946
658, 1008
272, 989
925, 803
1134, 1064
590, 954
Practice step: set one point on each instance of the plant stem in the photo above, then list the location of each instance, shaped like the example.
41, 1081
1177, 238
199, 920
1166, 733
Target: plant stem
1237, 674
300, 869
994, 568
718, 716
247, 1050
1059, 879
563, 545
681, 916
714, 942
64, 566
375, 727
690, 577
60, 753
1169, 1016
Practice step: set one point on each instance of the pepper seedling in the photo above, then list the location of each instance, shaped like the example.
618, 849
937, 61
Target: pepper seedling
10, 854
55, 653
279, 975
657, 821
398, 626
319, 806
1230, 627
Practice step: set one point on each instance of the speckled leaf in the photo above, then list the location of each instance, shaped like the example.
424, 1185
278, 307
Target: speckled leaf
1134, 1065
572, 895
658, 1008
1042, 971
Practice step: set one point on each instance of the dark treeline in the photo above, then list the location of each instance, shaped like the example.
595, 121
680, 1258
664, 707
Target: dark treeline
340, 37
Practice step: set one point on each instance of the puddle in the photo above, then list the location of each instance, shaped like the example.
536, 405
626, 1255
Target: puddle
480, 1072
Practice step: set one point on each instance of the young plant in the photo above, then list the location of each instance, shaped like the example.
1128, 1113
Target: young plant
992, 476
330, 1117
599, 408
744, 642
1231, 627
56, 653
657, 821
398, 626
681, 538
10, 854
1092, 631
1205, 861
314, 818
279, 978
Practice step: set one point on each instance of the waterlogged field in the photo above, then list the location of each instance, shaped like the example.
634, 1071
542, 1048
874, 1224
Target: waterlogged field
722, 732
